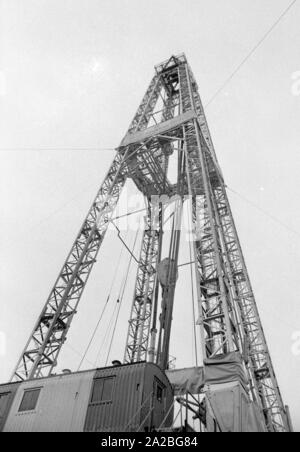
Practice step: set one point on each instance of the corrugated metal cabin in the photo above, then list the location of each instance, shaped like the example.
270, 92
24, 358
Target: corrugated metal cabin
7, 394
134, 397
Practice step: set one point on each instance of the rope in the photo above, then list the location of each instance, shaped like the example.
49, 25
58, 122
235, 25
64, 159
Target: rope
253, 50
128, 214
120, 298
103, 310
193, 297
67, 344
93, 335
34, 149
272, 217
124, 243
106, 335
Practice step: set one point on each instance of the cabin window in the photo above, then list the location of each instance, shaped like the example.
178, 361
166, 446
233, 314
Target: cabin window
159, 390
159, 393
3, 403
30, 399
103, 390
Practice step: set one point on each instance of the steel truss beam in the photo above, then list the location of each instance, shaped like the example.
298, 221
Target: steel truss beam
229, 316
140, 318
156, 150
49, 334
229, 319
169, 119
258, 360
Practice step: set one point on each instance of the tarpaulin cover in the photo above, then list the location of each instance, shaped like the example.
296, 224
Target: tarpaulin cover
255, 422
186, 380
219, 370
225, 369
232, 409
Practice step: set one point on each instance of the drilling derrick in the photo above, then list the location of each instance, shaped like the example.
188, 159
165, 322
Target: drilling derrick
170, 122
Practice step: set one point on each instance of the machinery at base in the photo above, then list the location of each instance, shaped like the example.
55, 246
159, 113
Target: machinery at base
136, 397
124, 398
239, 390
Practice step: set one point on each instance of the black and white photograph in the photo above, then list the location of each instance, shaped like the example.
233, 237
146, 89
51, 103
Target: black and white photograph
149, 219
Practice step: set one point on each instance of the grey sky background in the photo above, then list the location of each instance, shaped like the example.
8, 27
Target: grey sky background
72, 74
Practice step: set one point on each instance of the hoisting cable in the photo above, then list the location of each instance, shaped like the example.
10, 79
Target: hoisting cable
128, 214
124, 243
77, 352
121, 296
107, 334
108, 330
272, 217
57, 148
103, 311
93, 335
109, 326
252, 51
193, 293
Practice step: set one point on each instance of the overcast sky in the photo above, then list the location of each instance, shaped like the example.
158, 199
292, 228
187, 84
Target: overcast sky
72, 73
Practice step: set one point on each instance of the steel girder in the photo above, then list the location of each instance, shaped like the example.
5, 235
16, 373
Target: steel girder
257, 355
168, 292
217, 317
228, 315
147, 168
50, 332
141, 311
217, 314
145, 110
42, 349
151, 181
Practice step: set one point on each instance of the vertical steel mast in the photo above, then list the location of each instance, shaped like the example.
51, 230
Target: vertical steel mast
170, 122
228, 316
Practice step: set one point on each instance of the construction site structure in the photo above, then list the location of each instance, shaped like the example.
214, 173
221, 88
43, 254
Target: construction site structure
235, 388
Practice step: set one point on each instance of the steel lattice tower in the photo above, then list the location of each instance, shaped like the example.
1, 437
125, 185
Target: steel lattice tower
170, 119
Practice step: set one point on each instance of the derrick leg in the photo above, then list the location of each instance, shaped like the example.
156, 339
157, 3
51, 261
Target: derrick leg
40, 354
140, 318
